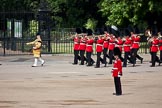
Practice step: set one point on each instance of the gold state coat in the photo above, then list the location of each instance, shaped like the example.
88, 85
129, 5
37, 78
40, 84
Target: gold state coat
36, 47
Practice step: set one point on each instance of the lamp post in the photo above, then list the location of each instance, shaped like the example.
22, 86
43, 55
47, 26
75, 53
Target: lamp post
43, 22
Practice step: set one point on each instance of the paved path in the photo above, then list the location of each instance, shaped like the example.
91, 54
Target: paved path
59, 84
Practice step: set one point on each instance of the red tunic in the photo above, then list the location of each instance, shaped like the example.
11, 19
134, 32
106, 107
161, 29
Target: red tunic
89, 45
119, 44
117, 68
111, 44
127, 45
106, 42
99, 45
76, 43
154, 45
160, 44
136, 41
82, 45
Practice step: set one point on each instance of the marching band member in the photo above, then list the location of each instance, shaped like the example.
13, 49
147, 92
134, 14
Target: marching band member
82, 46
135, 48
154, 49
37, 50
127, 45
111, 47
76, 40
105, 46
117, 72
89, 48
160, 45
99, 49
119, 44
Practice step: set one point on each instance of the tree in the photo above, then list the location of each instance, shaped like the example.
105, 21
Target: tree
124, 12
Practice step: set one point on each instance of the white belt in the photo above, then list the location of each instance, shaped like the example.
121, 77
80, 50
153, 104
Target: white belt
99, 44
105, 41
82, 43
111, 43
127, 45
118, 45
89, 45
76, 43
135, 42
154, 45
114, 68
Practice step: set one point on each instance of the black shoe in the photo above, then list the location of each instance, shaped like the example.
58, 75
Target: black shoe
133, 65
124, 66
74, 63
114, 93
160, 63
97, 67
105, 65
93, 62
81, 64
89, 65
43, 63
141, 60
152, 66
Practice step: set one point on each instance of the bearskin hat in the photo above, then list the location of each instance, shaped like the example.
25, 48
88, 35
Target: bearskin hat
78, 30
89, 32
117, 51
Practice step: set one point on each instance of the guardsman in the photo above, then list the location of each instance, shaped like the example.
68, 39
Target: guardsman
127, 51
111, 47
160, 45
119, 44
37, 50
154, 49
105, 46
89, 48
82, 46
76, 40
135, 48
99, 49
117, 72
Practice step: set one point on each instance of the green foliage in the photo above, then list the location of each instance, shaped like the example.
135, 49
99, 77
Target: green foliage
91, 24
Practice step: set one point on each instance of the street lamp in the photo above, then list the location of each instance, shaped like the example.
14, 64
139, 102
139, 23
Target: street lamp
43, 22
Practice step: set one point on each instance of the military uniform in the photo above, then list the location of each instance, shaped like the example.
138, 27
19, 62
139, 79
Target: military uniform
117, 72
135, 48
119, 44
105, 46
37, 50
160, 47
99, 49
89, 48
76, 40
154, 50
127, 53
82, 48
111, 48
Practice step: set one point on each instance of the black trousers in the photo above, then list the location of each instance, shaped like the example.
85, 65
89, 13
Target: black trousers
111, 53
90, 61
160, 55
117, 83
105, 55
76, 56
154, 58
82, 57
126, 54
98, 59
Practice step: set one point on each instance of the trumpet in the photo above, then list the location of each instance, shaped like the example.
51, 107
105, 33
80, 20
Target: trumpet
148, 33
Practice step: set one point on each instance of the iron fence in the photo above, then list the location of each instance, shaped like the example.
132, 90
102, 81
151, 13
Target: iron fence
17, 28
